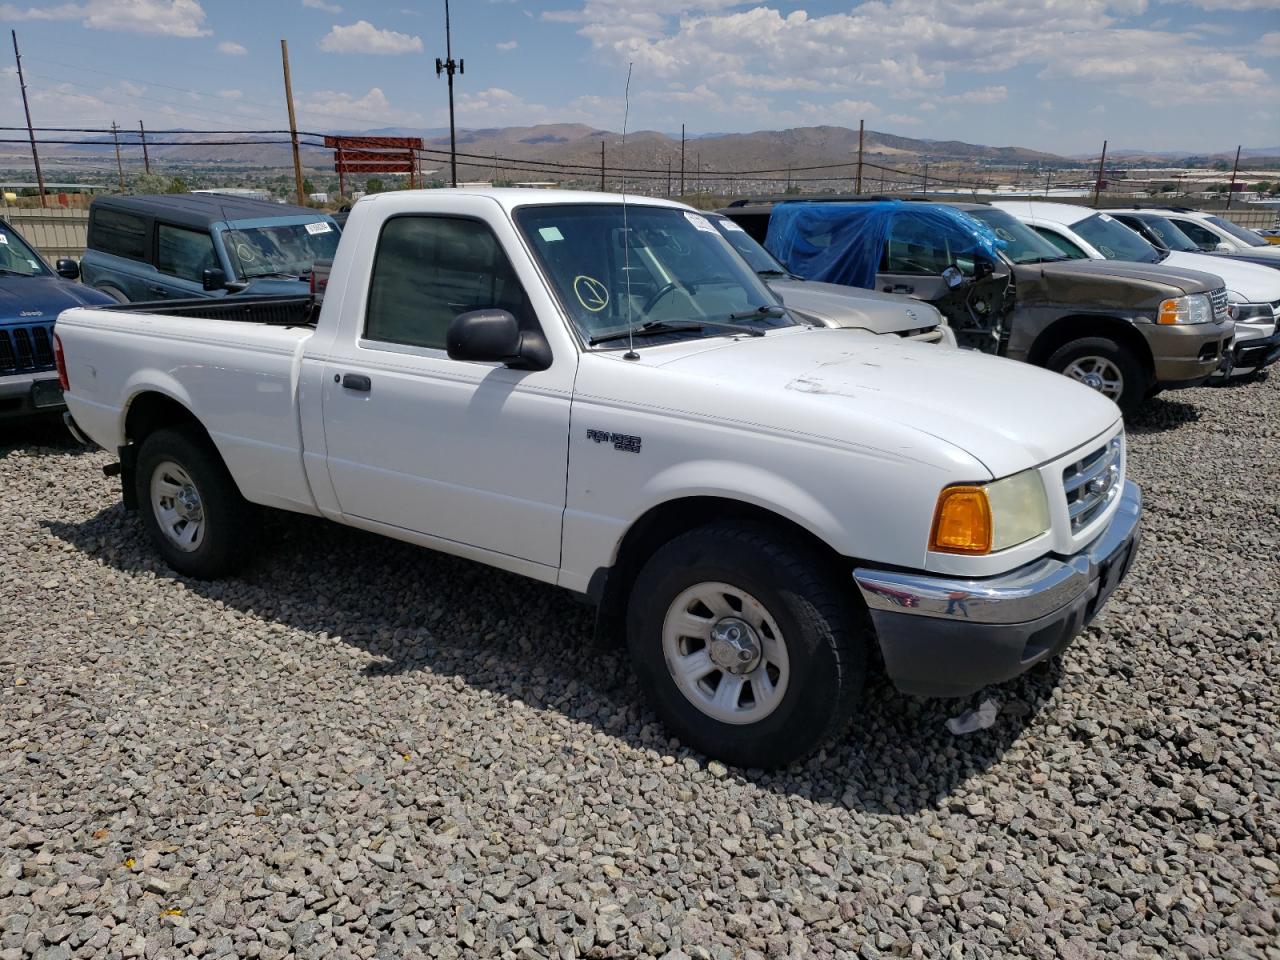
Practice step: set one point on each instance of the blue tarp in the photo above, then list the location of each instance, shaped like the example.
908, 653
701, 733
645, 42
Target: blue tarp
844, 242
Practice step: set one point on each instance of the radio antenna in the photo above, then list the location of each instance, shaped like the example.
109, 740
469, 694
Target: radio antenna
626, 237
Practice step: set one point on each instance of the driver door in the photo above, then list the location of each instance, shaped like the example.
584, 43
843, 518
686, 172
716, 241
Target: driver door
463, 452
914, 257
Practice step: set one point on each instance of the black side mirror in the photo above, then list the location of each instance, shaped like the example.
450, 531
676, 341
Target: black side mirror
68, 269
982, 267
213, 279
490, 336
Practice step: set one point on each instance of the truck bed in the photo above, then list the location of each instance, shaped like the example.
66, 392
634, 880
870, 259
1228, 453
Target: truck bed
273, 311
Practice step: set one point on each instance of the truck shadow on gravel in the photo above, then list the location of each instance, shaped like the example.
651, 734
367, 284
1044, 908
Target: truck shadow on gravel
533, 643
42, 433
1160, 414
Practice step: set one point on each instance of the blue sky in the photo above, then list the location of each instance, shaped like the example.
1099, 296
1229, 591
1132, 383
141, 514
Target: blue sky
1059, 75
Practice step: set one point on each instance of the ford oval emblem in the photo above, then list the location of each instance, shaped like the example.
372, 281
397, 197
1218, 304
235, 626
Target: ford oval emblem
1099, 486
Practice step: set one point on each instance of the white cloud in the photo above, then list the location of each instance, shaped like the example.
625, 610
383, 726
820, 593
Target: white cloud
902, 119
232, 49
507, 45
322, 5
363, 37
231, 94
172, 18
1268, 45
371, 109
1229, 4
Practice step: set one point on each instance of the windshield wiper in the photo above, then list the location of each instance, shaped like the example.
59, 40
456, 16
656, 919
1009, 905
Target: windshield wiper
764, 310
654, 327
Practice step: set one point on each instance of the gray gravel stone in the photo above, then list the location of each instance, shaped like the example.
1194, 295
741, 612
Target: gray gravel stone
361, 749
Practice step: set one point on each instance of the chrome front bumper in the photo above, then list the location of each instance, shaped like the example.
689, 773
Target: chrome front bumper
946, 636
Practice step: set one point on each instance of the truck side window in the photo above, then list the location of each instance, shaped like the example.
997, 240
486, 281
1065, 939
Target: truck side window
919, 248
1068, 248
1202, 237
184, 253
429, 269
119, 234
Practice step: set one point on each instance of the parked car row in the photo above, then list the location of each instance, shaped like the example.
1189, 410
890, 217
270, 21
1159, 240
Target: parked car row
1016, 280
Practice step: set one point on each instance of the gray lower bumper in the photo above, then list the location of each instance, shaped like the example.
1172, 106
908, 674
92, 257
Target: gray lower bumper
944, 636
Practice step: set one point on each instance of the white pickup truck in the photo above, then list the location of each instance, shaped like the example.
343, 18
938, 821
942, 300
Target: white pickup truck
603, 395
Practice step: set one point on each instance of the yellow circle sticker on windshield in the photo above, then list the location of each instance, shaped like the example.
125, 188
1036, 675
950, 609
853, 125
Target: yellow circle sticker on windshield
591, 293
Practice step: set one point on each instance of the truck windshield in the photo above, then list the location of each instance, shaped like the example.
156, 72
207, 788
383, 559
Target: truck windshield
17, 257
1022, 244
1240, 233
667, 272
1167, 233
759, 259
1114, 240
279, 250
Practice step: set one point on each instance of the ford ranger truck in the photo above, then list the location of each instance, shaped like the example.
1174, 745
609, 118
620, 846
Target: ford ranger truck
598, 392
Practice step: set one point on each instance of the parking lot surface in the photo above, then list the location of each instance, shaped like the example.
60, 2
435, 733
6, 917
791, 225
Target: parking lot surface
365, 749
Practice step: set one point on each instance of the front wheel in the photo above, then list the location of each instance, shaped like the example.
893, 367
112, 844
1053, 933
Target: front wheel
191, 506
1106, 366
744, 645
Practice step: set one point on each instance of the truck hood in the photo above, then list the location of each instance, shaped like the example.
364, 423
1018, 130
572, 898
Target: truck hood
841, 385
834, 305
1250, 282
33, 299
1109, 284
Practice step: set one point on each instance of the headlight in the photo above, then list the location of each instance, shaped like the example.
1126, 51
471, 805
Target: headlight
1256, 312
1193, 309
979, 519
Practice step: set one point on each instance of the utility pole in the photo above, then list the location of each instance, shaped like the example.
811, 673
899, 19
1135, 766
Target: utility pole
115, 136
1231, 189
1102, 166
293, 123
1048, 180
697, 175
668, 177
602, 164
450, 67
926, 181
35, 154
146, 160
857, 185
682, 159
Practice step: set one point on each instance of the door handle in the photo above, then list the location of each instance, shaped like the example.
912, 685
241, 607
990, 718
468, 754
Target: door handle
356, 381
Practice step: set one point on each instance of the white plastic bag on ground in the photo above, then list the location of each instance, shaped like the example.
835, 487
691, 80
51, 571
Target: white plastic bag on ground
977, 719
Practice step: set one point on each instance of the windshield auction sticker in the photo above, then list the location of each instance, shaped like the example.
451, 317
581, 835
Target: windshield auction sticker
591, 293
702, 223
318, 227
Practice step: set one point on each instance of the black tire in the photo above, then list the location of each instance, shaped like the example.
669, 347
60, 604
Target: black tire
1136, 380
115, 294
824, 636
229, 521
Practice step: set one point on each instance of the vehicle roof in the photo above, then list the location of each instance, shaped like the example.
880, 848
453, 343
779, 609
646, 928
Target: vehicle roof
766, 204
202, 209
1064, 213
511, 197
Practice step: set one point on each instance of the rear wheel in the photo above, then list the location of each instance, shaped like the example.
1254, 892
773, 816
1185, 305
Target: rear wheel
744, 644
1106, 366
190, 505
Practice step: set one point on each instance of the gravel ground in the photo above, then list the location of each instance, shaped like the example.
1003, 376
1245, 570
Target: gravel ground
363, 749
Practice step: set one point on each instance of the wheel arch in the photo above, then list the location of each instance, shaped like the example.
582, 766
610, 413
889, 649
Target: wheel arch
663, 522
150, 410
1078, 326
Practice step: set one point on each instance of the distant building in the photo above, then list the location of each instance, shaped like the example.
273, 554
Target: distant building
318, 197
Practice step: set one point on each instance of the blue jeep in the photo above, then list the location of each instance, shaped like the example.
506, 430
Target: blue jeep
186, 245
31, 297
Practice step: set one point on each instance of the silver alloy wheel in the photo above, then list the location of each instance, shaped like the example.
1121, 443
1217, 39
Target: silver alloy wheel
725, 653
175, 501
1099, 373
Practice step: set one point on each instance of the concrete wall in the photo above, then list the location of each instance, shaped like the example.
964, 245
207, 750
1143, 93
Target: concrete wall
55, 232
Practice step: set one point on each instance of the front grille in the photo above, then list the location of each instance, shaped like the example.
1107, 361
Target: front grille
1221, 308
26, 349
1093, 482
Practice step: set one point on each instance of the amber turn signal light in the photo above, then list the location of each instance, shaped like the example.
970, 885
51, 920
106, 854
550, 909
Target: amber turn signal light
961, 521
